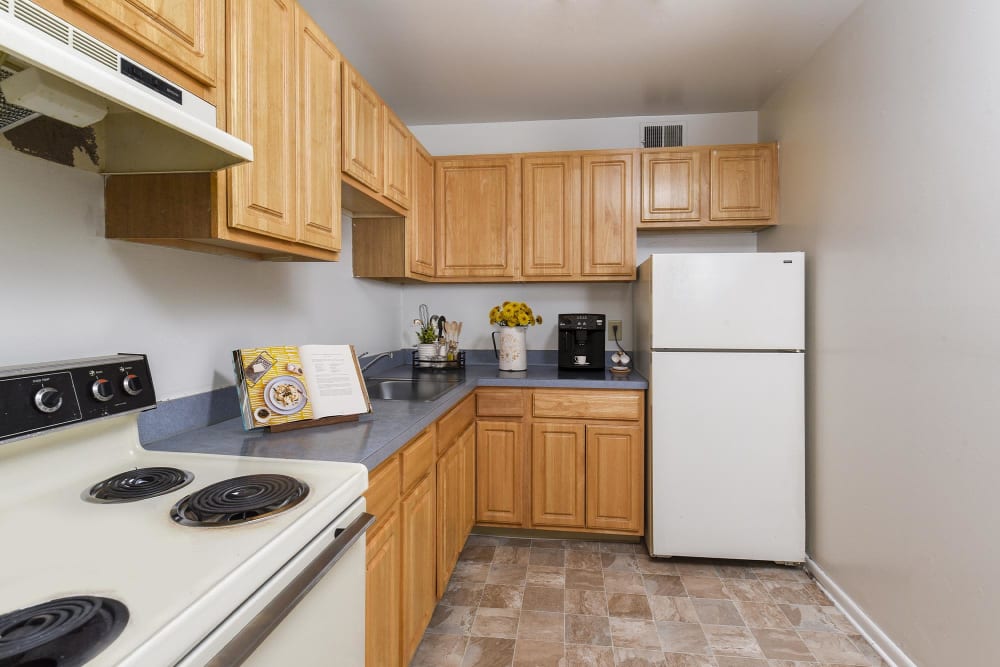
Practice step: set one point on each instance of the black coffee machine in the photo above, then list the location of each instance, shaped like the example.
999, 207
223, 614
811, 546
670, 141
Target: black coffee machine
581, 341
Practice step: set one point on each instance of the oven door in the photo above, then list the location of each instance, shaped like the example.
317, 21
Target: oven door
309, 614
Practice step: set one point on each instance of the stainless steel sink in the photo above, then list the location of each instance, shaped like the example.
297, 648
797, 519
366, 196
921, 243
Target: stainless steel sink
423, 389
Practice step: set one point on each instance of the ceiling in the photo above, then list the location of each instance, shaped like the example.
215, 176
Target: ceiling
467, 61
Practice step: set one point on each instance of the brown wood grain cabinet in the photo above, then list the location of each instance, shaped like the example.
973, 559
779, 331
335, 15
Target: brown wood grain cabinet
419, 582
558, 475
608, 231
500, 490
744, 180
283, 205
615, 477
674, 185
421, 218
476, 207
362, 130
398, 160
382, 593
550, 216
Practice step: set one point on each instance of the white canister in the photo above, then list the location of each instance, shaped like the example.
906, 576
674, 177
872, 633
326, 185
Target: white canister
511, 349
427, 351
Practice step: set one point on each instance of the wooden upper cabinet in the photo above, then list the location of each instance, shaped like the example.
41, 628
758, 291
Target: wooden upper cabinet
398, 159
744, 182
263, 112
318, 136
184, 35
608, 214
550, 216
499, 472
615, 477
362, 130
476, 208
558, 475
674, 184
420, 222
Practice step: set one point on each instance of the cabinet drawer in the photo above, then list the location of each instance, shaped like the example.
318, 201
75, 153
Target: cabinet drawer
417, 458
588, 403
500, 403
383, 488
455, 422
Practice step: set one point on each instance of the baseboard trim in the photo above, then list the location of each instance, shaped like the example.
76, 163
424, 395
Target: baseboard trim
891, 653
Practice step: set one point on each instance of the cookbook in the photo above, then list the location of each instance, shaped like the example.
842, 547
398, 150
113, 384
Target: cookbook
285, 384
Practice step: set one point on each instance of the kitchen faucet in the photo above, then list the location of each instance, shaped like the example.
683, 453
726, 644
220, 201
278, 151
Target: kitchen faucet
372, 362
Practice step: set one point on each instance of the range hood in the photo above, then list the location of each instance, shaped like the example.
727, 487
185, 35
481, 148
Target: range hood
68, 97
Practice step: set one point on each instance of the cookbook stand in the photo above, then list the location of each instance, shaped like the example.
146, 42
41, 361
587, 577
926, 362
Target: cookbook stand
309, 423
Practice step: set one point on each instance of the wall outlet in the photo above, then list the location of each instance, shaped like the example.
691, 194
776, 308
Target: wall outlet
612, 325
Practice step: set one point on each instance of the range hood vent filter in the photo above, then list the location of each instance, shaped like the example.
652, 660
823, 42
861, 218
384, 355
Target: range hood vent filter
12, 115
662, 136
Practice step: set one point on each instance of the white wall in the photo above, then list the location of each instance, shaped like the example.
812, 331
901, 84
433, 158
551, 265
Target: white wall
69, 292
888, 181
470, 304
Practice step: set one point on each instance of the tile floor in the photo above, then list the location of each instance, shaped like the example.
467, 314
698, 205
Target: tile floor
515, 601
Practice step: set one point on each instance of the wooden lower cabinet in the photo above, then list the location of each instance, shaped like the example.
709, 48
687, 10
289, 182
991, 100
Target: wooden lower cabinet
558, 479
500, 472
419, 584
615, 477
456, 503
382, 597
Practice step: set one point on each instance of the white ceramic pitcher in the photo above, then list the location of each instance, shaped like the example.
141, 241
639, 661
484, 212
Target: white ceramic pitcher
511, 351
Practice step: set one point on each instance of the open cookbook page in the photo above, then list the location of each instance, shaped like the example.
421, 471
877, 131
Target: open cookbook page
334, 381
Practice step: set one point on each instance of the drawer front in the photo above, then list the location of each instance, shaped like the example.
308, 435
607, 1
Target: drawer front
500, 403
383, 488
455, 422
417, 458
588, 404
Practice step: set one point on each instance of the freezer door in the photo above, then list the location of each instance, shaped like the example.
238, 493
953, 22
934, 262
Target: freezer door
726, 455
728, 301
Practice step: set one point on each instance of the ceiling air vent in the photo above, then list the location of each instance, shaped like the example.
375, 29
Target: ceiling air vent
662, 136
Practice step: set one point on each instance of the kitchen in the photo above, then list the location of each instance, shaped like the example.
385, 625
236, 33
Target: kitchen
888, 497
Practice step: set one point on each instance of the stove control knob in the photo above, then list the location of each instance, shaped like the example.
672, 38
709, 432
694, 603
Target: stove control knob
48, 399
132, 384
102, 390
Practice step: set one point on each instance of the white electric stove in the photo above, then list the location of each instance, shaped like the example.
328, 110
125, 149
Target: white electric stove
201, 572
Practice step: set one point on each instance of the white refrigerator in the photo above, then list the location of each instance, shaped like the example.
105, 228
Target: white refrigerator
721, 339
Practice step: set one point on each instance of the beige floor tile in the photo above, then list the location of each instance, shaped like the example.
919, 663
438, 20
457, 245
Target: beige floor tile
796, 663
538, 598
730, 661
782, 573
546, 543
478, 554
531, 653
748, 590
500, 623
625, 605
789, 592
502, 596
841, 622
588, 630
583, 560
648, 565
704, 587
471, 571
462, 594
451, 620
593, 603
591, 580
617, 547
635, 633
663, 584
620, 562
514, 542
631, 657
717, 612
581, 545
541, 626
506, 555
867, 650
589, 656
555, 557
546, 575
763, 615
483, 540
488, 652
682, 638
623, 582
735, 572
781, 645
696, 568
733, 641
686, 660
809, 617
508, 575
678, 609
833, 648
440, 651
817, 594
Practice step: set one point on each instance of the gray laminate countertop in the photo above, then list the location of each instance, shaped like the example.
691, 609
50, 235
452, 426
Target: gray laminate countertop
392, 424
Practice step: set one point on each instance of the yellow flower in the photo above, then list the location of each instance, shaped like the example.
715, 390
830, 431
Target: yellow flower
538, 320
523, 319
514, 314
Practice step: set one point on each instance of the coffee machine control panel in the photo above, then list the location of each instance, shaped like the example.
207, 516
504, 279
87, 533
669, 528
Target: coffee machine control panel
581, 321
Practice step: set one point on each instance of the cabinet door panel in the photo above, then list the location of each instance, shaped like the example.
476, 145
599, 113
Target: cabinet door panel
319, 137
557, 475
614, 477
362, 130
743, 183
382, 583
421, 219
608, 215
476, 211
499, 472
550, 216
262, 193
419, 566
672, 186
467, 443
450, 489
398, 154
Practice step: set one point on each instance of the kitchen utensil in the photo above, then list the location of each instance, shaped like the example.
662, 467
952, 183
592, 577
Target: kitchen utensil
425, 315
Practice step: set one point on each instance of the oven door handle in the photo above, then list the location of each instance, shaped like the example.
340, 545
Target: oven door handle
267, 619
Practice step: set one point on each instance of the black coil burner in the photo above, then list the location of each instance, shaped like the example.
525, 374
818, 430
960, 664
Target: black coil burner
138, 484
239, 500
61, 633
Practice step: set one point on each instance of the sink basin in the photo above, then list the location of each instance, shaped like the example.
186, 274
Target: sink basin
424, 389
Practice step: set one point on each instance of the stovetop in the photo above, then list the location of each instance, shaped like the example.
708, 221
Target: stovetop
177, 582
